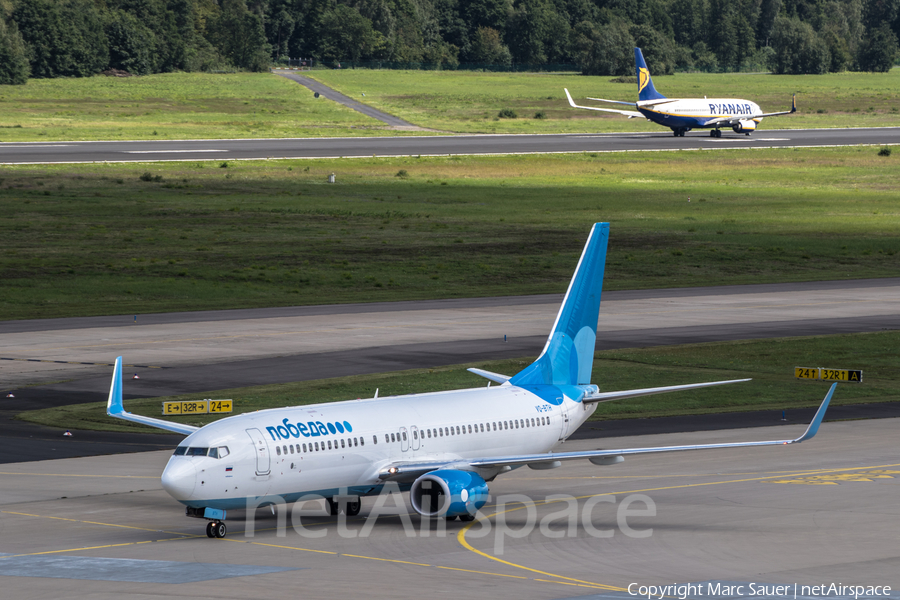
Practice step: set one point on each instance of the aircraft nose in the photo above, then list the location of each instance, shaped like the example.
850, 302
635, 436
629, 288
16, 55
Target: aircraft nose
179, 478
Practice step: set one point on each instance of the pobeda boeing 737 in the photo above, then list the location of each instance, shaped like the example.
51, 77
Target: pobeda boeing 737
443, 447
683, 114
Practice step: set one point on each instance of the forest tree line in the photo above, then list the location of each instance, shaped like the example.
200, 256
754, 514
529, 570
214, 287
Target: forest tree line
77, 38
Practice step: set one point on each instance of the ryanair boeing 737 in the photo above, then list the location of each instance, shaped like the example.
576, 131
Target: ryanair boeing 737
683, 114
443, 447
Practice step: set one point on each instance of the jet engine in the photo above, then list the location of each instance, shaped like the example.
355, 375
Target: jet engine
745, 126
448, 493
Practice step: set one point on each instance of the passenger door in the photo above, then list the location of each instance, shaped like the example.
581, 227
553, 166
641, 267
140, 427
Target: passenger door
261, 448
404, 439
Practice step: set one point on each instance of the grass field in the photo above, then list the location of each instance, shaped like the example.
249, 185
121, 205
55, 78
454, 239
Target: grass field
259, 105
139, 238
172, 106
769, 362
469, 102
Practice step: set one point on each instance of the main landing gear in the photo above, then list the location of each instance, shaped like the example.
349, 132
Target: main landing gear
679, 132
348, 506
716, 133
216, 529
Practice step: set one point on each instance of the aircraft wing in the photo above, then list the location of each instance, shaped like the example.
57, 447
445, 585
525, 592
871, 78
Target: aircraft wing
631, 114
115, 408
409, 471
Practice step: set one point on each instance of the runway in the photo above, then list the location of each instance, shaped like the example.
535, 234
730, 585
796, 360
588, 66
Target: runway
822, 512
435, 145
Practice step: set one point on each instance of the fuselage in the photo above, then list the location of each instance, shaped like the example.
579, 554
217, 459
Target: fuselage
327, 449
698, 113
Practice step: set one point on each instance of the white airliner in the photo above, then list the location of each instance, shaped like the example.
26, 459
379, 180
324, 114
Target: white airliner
683, 114
443, 447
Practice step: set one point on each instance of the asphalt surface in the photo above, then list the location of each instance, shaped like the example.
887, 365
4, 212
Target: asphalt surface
821, 512
434, 145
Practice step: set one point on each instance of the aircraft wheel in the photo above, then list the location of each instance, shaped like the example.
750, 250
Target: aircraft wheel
219, 529
449, 518
209, 530
472, 517
712, 133
332, 507
352, 508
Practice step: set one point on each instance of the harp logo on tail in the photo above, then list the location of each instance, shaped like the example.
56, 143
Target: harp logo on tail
644, 78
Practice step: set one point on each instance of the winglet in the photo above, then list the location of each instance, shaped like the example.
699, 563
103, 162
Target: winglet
817, 420
116, 408
794, 103
114, 405
569, 96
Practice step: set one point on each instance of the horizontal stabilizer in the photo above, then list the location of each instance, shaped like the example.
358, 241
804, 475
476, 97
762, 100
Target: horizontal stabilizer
608, 396
495, 377
115, 407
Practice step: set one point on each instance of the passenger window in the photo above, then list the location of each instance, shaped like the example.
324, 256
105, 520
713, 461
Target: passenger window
180, 450
362, 441
292, 448
392, 438
404, 436
441, 431
304, 447
470, 428
415, 434
387, 438
317, 446
482, 428
213, 453
457, 430
374, 439
278, 450
356, 441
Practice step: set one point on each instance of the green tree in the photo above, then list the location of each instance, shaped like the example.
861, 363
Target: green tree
605, 50
131, 45
64, 38
14, 68
239, 36
798, 49
488, 47
878, 50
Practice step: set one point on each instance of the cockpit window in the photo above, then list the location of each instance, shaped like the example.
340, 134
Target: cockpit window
213, 453
197, 451
180, 450
223, 451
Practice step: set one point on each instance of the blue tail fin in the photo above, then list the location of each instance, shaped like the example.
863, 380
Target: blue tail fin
646, 91
568, 355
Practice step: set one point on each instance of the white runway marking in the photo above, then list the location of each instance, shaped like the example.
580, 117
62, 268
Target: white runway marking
169, 151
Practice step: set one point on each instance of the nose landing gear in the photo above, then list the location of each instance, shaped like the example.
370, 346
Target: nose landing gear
216, 529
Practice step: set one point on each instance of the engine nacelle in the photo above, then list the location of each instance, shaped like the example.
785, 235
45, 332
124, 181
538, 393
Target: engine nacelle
745, 126
448, 493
